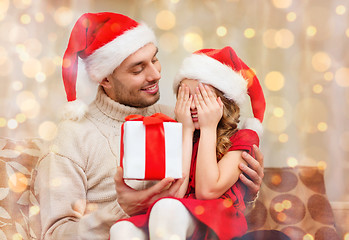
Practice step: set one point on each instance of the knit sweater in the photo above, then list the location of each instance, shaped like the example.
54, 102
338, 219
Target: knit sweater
75, 181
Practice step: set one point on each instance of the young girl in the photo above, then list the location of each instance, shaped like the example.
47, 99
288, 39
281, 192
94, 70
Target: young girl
211, 86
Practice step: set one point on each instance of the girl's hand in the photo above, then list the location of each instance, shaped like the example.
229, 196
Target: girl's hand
209, 107
182, 108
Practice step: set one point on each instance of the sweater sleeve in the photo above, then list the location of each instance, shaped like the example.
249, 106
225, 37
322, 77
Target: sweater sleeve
62, 188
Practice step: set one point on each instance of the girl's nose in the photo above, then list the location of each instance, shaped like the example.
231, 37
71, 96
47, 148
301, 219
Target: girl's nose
192, 105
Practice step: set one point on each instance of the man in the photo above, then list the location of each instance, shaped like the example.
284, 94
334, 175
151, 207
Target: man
79, 199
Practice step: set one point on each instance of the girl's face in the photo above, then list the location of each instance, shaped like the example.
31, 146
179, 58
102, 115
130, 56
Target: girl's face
192, 84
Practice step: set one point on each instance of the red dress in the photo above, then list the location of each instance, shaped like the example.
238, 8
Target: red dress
220, 218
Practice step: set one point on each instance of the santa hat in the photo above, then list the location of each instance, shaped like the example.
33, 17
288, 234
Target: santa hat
224, 70
103, 41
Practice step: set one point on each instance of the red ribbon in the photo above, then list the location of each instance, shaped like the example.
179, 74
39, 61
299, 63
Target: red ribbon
155, 167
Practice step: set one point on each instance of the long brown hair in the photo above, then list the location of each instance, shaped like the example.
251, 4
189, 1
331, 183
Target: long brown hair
228, 124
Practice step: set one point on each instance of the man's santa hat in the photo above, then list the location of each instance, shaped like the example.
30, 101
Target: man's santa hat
103, 41
224, 70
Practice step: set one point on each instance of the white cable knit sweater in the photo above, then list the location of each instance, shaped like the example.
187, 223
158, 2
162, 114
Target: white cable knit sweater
75, 176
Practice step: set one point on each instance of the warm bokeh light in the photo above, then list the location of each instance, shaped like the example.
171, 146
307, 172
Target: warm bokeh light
192, 42
292, 162
25, 19
39, 17
48, 130
346, 236
34, 210
291, 16
340, 10
3, 122
249, 33
17, 85
322, 126
284, 38
199, 210
276, 124
311, 31
269, 38
4, 4
17, 182
347, 32
278, 112
274, 81
165, 20
169, 42
20, 118
276, 179
317, 88
221, 31
282, 3
308, 237
322, 165
342, 77
12, 124
63, 16
283, 138
328, 76
17, 236
31, 67
40, 77
321, 62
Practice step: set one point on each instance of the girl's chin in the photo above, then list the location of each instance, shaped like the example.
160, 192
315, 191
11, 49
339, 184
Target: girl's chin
196, 125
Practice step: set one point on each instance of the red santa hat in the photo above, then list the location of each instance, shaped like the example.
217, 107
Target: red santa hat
103, 41
224, 70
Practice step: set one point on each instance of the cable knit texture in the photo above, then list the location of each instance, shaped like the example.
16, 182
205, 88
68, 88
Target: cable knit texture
75, 181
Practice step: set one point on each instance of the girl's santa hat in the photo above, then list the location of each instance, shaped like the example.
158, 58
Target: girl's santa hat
224, 70
103, 41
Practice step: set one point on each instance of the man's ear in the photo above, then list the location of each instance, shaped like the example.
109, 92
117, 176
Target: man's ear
105, 83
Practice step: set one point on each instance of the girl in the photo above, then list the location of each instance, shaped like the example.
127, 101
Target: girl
210, 87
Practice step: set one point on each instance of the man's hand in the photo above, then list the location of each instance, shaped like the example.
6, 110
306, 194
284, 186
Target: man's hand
137, 201
255, 172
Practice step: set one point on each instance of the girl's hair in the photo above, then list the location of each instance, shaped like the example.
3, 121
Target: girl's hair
228, 124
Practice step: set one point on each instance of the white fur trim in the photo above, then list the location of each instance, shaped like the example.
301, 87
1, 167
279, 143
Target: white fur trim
74, 110
253, 124
210, 71
105, 59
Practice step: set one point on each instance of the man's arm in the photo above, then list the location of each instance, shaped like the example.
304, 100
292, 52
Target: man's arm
137, 201
252, 173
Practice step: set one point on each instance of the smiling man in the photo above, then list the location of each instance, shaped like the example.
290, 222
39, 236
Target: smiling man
121, 55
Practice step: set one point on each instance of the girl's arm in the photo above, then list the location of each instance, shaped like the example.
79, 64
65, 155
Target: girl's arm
183, 115
212, 178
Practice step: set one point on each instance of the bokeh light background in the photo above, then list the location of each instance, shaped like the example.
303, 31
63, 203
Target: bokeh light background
299, 50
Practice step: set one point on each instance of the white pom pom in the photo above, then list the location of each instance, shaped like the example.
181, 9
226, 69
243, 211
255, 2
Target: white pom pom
253, 124
74, 110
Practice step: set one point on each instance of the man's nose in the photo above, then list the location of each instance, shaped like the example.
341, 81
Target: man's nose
154, 73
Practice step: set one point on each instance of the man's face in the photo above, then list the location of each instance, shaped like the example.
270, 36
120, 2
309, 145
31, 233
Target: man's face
135, 82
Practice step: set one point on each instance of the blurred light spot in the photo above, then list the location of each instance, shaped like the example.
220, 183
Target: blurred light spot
284, 38
287, 204
227, 202
292, 162
34, 210
17, 33
308, 236
25, 19
249, 33
40, 77
221, 31
311, 31
33, 47
278, 207
322, 165
17, 85
3, 55
347, 32
283, 138
20, 117
281, 216
317, 88
63, 16
278, 112
192, 42
276, 179
342, 77
4, 4
328, 76
321, 61
17, 236
276, 124
17, 182
274, 81
28, 104
291, 17
39, 17
346, 236
282, 3
340, 9
48, 66
48, 130
91, 207
31, 67
199, 210
3, 122
56, 182
174, 1
12, 123
165, 20
54, 148
309, 112
169, 42
344, 141
322, 126
269, 38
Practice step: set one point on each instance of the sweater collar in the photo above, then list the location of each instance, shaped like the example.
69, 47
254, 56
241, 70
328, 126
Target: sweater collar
113, 109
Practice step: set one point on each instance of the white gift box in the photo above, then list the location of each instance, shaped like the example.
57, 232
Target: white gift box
151, 151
